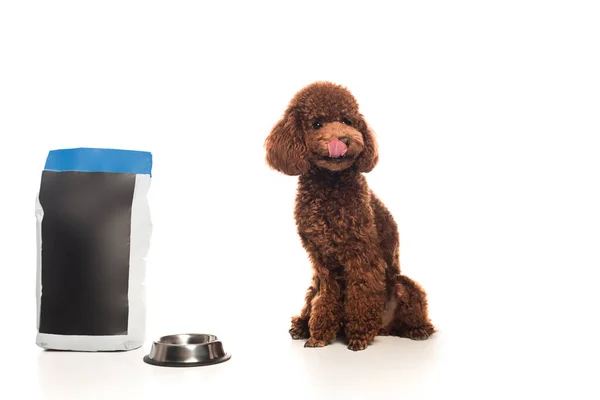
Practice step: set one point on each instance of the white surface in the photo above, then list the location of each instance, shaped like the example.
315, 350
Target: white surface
487, 121
141, 233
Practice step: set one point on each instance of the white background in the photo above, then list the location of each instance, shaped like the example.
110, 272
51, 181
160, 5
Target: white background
487, 115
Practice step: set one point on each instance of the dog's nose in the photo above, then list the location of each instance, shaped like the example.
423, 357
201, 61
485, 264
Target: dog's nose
345, 140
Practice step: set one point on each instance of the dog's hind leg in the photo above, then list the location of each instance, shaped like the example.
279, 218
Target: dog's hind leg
405, 313
299, 329
389, 238
410, 316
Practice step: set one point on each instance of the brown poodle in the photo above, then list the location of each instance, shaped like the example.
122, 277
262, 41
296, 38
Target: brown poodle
357, 289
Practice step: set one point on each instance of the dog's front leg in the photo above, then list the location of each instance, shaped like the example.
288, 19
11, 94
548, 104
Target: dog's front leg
326, 312
364, 298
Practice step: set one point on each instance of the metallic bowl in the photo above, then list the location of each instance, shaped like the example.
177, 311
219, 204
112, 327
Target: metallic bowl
187, 350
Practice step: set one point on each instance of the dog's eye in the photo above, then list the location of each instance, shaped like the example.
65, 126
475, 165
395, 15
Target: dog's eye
317, 125
346, 121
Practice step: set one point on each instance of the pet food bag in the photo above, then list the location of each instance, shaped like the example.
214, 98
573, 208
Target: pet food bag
93, 234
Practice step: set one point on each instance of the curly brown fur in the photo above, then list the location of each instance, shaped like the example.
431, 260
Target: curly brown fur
352, 240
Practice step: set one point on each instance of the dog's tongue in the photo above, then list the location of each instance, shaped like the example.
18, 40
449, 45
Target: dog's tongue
337, 148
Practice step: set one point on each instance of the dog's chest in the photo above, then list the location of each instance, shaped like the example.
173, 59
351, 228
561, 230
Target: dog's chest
329, 217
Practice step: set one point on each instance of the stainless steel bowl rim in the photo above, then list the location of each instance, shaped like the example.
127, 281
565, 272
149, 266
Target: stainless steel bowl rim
187, 350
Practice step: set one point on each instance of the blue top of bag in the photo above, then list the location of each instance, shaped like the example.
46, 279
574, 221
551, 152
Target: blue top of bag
100, 160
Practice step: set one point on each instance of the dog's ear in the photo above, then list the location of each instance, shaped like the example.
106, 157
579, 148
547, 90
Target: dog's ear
286, 150
367, 160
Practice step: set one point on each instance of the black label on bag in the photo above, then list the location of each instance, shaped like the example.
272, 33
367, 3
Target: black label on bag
86, 231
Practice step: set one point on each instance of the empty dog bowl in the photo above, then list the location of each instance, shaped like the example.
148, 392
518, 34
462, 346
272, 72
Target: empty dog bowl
187, 350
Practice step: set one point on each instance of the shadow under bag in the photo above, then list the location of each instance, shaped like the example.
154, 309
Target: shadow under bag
93, 234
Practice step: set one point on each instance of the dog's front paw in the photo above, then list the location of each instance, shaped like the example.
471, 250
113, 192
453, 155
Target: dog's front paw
299, 329
357, 344
312, 342
421, 333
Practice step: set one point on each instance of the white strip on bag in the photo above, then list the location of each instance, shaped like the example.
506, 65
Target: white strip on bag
93, 235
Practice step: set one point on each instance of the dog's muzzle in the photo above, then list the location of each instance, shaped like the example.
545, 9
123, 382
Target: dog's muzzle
337, 148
